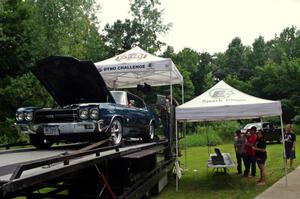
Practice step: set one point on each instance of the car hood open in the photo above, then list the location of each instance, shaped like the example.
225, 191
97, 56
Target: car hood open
71, 81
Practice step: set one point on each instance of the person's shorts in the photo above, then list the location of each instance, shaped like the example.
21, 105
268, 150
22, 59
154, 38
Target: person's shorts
290, 154
260, 160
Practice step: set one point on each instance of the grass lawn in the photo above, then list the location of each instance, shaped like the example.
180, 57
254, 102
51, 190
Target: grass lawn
200, 182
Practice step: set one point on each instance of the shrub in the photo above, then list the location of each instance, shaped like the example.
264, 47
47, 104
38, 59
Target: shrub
226, 129
210, 133
296, 119
205, 138
8, 132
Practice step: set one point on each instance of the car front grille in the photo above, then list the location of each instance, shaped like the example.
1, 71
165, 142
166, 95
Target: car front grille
55, 115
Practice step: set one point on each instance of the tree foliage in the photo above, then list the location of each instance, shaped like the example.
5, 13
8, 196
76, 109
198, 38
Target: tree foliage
15, 37
142, 30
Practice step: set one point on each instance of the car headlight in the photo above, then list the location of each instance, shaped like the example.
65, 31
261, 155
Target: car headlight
84, 114
19, 116
94, 114
28, 116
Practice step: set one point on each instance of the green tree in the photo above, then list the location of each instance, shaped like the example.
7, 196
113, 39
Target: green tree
286, 46
259, 54
15, 37
209, 81
279, 81
198, 64
236, 59
204, 68
187, 85
239, 84
68, 28
142, 30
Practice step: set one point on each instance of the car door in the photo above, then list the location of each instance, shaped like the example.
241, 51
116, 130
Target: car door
126, 111
140, 112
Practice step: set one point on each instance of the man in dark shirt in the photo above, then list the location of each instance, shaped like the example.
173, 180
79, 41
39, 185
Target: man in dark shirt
290, 143
165, 117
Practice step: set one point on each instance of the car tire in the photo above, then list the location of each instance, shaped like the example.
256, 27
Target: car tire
149, 136
116, 132
40, 142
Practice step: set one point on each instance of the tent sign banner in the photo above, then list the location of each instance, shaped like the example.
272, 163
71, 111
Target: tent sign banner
125, 68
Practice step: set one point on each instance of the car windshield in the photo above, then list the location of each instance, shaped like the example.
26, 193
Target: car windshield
120, 97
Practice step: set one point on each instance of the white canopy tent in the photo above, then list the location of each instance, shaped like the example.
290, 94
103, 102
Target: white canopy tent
223, 102
137, 66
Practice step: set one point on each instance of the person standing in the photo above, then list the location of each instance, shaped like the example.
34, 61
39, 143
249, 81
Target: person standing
290, 143
165, 117
261, 157
239, 147
250, 153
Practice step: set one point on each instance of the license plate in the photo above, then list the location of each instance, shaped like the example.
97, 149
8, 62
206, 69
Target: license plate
51, 130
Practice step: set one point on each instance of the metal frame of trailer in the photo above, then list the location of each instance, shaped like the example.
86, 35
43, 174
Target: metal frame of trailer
148, 164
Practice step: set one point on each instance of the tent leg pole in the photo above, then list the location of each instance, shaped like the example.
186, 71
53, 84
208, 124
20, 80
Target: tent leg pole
208, 149
207, 140
184, 130
284, 154
185, 147
176, 147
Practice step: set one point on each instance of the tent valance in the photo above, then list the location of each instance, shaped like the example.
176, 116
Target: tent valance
137, 66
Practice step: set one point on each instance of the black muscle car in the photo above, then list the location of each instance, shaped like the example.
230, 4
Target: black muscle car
87, 110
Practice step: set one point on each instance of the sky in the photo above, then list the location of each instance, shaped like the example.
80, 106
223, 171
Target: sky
210, 25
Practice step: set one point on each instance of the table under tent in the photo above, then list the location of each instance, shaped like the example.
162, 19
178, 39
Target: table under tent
223, 102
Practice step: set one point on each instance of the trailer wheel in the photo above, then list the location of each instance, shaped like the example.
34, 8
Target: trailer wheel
149, 136
116, 131
40, 142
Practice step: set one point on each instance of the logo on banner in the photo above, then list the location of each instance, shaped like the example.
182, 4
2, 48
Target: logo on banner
220, 93
136, 56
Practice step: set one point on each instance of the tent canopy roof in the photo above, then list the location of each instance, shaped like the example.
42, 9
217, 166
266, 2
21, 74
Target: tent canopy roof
137, 66
223, 102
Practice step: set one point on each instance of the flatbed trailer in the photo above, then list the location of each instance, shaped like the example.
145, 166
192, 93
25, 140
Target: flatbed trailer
131, 171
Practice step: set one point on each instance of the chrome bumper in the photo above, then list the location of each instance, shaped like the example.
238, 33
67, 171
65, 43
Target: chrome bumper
63, 128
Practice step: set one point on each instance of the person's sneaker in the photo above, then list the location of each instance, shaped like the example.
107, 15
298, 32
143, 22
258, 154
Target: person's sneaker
261, 183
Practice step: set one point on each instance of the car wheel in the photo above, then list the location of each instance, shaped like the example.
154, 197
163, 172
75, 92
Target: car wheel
40, 142
116, 131
150, 133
